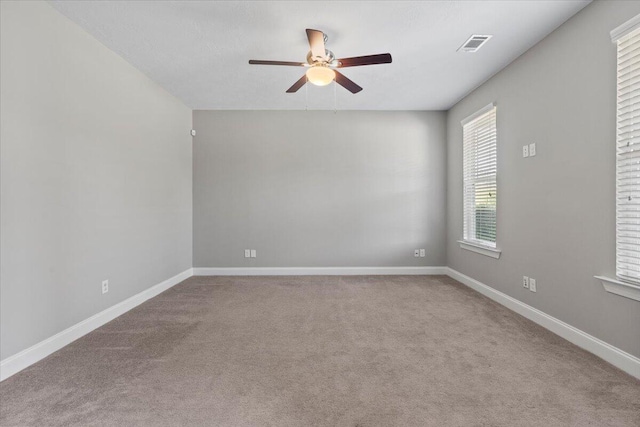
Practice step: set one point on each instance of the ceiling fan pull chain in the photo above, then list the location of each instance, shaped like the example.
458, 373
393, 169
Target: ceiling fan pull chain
335, 97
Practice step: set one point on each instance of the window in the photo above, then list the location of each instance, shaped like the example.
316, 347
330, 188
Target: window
628, 158
479, 175
627, 39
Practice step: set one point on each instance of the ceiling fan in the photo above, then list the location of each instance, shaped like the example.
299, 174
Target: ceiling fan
322, 64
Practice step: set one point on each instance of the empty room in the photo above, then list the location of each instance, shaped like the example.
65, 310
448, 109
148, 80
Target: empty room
320, 213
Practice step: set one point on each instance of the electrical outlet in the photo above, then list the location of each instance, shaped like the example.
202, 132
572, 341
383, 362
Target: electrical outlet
247, 253
532, 149
532, 285
422, 253
105, 286
525, 282
253, 253
525, 151
416, 253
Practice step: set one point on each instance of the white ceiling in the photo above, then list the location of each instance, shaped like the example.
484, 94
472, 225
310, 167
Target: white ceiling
198, 50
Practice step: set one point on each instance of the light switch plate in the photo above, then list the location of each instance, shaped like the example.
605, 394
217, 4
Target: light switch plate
247, 253
532, 285
253, 253
532, 149
525, 151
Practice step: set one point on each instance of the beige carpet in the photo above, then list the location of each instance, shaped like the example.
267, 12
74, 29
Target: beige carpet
321, 351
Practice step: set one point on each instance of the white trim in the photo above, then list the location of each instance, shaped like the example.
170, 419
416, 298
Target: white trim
19, 361
478, 113
316, 271
625, 28
619, 358
617, 287
484, 250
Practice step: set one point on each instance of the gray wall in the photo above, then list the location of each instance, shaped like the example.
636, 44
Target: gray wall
556, 213
95, 177
318, 189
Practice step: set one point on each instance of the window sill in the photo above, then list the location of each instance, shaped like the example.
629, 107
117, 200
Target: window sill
617, 287
483, 250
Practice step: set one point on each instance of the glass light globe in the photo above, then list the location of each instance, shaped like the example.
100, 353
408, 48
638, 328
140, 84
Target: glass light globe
320, 76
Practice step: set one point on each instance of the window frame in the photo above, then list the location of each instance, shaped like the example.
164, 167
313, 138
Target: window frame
622, 286
627, 169
468, 242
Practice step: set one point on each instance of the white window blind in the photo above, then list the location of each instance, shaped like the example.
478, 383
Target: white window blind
480, 171
628, 158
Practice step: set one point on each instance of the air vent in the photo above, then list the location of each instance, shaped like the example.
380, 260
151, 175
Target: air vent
474, 43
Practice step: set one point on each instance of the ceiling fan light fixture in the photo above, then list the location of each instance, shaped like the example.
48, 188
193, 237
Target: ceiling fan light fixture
320, 75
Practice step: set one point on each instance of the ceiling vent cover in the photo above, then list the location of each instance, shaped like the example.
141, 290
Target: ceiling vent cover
474, 43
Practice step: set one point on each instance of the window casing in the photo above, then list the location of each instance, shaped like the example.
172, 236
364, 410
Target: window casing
480, 177
628, 158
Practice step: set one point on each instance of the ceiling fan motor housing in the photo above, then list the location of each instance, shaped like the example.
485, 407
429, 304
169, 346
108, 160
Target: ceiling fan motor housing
328, 58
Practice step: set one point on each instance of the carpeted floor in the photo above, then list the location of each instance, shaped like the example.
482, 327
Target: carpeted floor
321, 351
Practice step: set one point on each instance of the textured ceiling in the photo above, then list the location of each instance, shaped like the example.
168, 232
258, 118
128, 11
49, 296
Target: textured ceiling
198, 51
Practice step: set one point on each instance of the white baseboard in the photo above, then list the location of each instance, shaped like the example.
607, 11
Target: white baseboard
19, 361
316, 271
619, 358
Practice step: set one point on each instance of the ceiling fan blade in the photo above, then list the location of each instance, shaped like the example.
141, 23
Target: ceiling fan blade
346, 83
297, 85
316, 42
383, 58
259, 62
